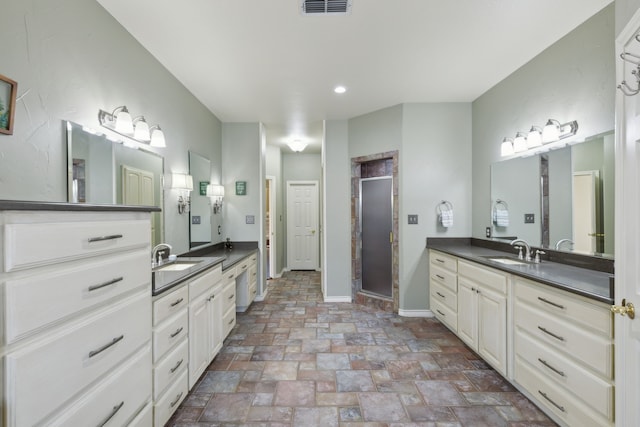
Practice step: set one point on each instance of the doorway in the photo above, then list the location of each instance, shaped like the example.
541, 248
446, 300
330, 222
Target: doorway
270, 226
302, 225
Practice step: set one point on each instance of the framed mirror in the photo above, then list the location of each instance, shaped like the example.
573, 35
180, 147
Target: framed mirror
200, 214
564, 196
104, 171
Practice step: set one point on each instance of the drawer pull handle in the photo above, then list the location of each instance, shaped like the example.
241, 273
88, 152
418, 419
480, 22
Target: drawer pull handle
176, 302
439, 294
255, 291
551, 401
558, 337
556, 370
103, 238
551, 303
440, 277
440, 260
230, 276
441, 313
211, 297
231, 321
231, 296
106, 346
177, 366
105, 284
175, 334
175, 402
114, 411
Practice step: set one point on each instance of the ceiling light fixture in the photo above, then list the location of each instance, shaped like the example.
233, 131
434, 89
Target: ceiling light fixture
340, 89
297, 145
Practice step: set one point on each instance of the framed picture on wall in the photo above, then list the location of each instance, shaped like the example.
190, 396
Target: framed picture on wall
8, 90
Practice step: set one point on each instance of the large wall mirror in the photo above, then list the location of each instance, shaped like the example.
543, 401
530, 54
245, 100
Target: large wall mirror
103, 171
569, 191
200, 214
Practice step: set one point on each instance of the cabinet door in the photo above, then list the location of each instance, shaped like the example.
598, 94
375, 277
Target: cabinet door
467, 312
215, 322
492, 328
199, 337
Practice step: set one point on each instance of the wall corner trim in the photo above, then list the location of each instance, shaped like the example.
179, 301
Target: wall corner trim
415, 313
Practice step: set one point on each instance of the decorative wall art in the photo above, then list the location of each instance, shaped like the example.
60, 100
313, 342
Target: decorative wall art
8, 90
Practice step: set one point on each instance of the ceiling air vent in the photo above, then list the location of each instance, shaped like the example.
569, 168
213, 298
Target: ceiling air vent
319, 7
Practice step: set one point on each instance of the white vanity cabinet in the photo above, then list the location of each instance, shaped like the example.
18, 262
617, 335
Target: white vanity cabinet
246, 282
443, 288
205, 326
564, 353
76, 336
170, 353
482, 312
228, 301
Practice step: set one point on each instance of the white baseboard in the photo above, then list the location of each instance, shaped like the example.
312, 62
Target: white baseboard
415, 313
260, 298
337, 299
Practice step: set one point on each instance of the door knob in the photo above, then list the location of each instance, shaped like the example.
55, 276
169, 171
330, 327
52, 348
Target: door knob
313, 231
626, 309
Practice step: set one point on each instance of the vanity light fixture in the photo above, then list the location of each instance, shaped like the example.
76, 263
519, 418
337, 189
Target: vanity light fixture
157, 137
506, 149
520, 143
297, 145
534, 138
141, 129
120, 122
184, 184
554, 131
216, 192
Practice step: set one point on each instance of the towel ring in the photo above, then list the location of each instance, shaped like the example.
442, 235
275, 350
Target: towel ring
500, 202
447, 206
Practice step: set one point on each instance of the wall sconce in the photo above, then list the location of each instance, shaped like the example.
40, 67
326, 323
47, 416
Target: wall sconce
184, 184
120, 122
538, 140
216, 192
297, 145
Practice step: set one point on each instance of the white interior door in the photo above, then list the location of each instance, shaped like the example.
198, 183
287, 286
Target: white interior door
584, 211
271, 219
137, 189
627, 245
302, 225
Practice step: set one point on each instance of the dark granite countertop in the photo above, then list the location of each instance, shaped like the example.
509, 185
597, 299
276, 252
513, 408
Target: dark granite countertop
206, 258
592, 284
18, 205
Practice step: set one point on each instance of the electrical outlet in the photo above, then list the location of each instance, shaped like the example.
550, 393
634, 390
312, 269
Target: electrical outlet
529, 218
412, 219
487, 232
250, 219
195, 219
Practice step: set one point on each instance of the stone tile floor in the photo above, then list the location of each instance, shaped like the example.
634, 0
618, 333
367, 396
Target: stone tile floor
294, 360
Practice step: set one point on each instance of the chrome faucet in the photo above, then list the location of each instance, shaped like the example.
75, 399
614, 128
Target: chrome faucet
561, 241
156, 260
527, 256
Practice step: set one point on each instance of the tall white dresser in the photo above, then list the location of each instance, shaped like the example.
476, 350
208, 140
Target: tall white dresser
75, 330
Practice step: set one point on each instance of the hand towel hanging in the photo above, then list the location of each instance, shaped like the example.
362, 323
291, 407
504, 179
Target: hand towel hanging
445, 214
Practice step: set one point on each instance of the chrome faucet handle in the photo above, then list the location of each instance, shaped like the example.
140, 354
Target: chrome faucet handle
537, 258
520, 256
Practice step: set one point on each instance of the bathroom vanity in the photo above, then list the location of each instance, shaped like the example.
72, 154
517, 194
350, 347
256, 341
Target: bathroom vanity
547, 327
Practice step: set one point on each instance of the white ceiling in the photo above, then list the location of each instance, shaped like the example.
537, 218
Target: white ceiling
262, 60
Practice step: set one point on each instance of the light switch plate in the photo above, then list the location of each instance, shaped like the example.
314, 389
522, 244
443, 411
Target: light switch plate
250, 219
529, 218
412, 219
195, 219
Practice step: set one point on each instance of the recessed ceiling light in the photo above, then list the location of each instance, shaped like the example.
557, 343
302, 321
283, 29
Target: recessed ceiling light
340, 89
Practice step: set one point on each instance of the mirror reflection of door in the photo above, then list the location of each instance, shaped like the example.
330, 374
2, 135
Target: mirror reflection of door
201, 209
586, 229
137, 189
270, 225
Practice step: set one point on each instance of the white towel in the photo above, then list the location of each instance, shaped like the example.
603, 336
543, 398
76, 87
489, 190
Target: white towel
446, 217
500, 217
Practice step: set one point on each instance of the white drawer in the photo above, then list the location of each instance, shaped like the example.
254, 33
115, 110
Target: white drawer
228, 321
443, 260
594, 391
253, 291
229, 296
83, 352
144, 417
116, 400
170, 367
26, 247
580, 344
203, 282
254, 259
555, 399
444, 296
229, 275
169, 333
494, 279
445, 314
36, 301
566, 306
445, 277
169, 402
169, 304
253, 274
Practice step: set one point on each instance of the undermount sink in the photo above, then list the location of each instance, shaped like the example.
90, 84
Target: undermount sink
506, 260
176, 266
